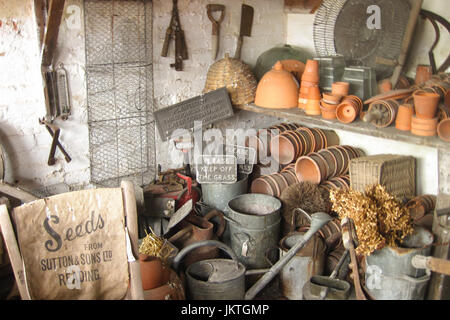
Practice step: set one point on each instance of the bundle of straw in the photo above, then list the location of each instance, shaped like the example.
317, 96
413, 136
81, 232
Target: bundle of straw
155, 246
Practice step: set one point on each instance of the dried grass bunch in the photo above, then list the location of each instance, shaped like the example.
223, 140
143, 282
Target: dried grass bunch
155, 246
380, 219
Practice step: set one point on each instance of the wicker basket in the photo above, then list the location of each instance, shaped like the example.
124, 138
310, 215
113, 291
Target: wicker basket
396, 173
236, 76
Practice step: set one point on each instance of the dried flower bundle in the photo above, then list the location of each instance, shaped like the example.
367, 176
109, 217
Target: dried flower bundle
152, 245
380, 220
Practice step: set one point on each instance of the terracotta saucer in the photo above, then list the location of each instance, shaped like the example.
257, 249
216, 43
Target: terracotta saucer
291, 136
290, 177
331, 161
322, 162
274, 183
260, 185
340, 158
307, 169
285, 152
307, 141
313, 139
282, 181
299, 143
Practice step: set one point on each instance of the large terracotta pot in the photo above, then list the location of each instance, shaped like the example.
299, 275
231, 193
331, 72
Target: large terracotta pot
426, 104
277, 89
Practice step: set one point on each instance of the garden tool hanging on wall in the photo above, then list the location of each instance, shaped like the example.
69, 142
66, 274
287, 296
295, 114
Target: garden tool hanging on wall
211, 8
175, 32
56, 89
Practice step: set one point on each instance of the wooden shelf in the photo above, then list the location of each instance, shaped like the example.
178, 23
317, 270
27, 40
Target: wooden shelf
359, 126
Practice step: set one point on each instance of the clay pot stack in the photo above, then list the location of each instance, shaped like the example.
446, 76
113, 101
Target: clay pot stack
273, 184
290, 145
261, 142
310, 79
336, 183
349, 109
425, 121
329, 104
277, 89
326, 164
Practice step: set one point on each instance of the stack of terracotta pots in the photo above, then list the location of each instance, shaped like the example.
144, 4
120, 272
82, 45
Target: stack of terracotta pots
261, 142
340, 88
336, 183
290, 145
325, 164
421, 210
273, 184
425, 121
349, 109
310, 79
329, 104
277, 89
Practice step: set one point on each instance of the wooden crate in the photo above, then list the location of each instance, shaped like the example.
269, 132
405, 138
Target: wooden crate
395, 172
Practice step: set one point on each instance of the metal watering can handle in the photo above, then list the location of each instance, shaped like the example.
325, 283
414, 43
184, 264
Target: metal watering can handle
195, 245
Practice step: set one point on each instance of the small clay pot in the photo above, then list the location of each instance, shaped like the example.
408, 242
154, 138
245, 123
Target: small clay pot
423, 133
328, 111
277, 89
340, 88
443, 130
423, 73
426, 104
424, 124
314, 93
311, 72
152, 271
330, 98
404, 117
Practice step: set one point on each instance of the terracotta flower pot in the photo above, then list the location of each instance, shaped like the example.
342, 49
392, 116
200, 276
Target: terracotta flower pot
331, 98
308, 84
404, 117
426, 104
443, 130
312, 108
314, 93
153, 272
423, 73
277, 89
311, 72
172, 289
340, 88
328, 113
262, 186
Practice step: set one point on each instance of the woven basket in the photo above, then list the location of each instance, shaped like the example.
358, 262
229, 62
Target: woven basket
396, 173
236, 76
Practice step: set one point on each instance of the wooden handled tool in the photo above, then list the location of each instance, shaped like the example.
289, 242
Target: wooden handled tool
434, 264
210, 8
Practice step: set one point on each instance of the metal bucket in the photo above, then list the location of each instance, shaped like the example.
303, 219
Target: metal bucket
254, 221
217, 196
389, 271
214, 279
309, 261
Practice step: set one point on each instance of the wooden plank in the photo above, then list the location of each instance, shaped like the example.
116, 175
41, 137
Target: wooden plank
55, 13
391, 133
301, 6
13, 252
16, 192
129, 202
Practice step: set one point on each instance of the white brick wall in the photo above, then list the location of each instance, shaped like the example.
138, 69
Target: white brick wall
21, 97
